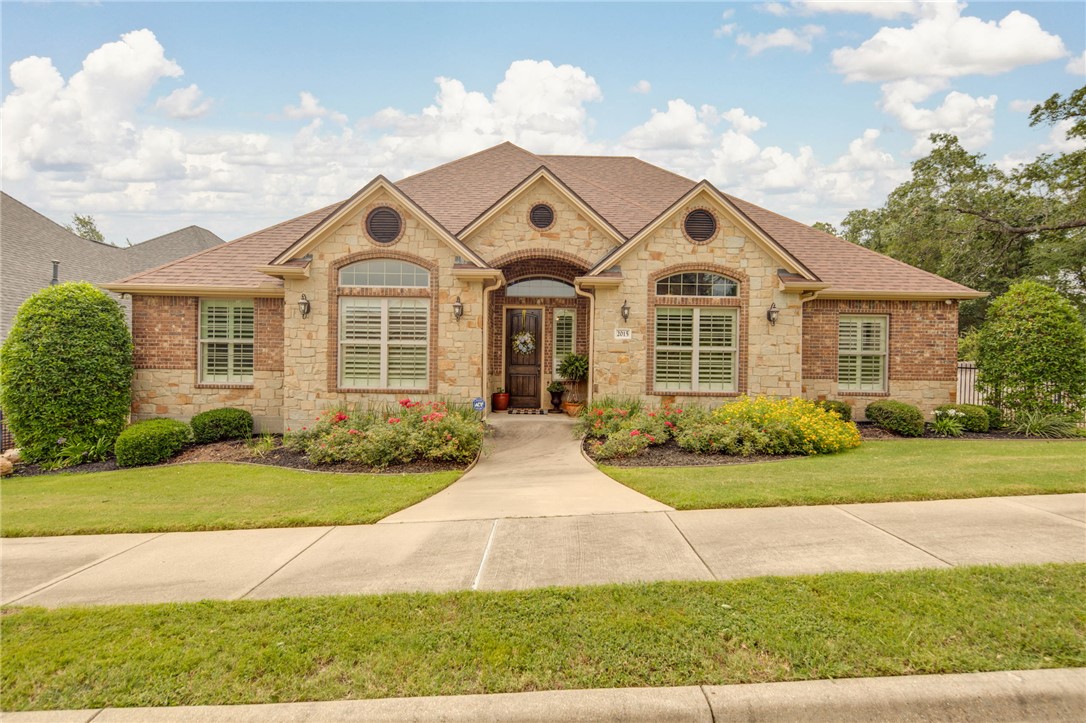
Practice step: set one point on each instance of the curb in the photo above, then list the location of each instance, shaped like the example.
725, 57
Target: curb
1027, 695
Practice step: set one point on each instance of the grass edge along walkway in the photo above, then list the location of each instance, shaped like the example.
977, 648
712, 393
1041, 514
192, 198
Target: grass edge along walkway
205, 496
878, 471
661, 634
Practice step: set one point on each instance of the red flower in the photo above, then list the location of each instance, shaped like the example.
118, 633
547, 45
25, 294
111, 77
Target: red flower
353, 431
635, 432
652, 414
651, 438
303, 429
340, 416
393, 420
670, 424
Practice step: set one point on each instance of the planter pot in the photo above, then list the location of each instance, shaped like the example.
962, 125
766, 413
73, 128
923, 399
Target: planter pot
556, 400
573, 409
499, 402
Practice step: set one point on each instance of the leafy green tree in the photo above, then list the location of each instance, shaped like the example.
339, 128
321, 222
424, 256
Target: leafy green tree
827, 227
85, 227
66, 372
1031, 352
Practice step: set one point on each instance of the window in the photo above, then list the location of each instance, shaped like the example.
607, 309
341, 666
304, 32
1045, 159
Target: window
565, 332
541, 288
384, 343
697, 283
384, 273
696, 349
861, 353
226, 341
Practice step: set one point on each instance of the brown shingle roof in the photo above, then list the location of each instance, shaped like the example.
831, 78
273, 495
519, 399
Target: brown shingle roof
625, 191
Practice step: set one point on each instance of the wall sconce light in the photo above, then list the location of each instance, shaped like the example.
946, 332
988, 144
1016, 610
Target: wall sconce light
625, 310
458, 308
772, 313
304, 306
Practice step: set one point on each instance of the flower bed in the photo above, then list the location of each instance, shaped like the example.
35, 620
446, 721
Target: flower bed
378, 438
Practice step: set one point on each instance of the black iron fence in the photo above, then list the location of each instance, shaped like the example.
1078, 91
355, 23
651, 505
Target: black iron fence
968, 393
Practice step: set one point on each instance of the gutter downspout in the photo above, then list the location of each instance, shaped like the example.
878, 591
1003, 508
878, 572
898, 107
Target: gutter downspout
591, 296
484, 365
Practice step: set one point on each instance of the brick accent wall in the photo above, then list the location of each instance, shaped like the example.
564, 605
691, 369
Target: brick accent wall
268, 332
164, 331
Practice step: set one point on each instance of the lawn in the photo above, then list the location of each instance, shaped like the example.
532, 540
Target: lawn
882, 471
204, 496
662, 634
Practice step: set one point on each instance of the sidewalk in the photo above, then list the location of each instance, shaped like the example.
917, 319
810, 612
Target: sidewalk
518, 553
1029, 695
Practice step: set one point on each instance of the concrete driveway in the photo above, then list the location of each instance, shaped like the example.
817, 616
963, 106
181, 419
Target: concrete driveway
532, 467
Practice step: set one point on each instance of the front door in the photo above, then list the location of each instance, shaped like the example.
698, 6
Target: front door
522, 367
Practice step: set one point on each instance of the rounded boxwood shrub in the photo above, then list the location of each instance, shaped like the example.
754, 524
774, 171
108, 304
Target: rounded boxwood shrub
897, 417
151, 442
217, 424
841, 409
974, 418
66, 372
995, 417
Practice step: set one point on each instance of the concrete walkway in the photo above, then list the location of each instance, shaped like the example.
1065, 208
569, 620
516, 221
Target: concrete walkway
532, 467
518, 553
1024, 695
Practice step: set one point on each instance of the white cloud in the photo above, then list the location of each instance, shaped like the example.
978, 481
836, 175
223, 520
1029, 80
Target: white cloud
800, 40
884, 9
968, 117
945, 44
309, 107
1077, 64
778, 9
1022, 106
679, 127
730, 12
184, 103
741, 122
641, 86
725, 30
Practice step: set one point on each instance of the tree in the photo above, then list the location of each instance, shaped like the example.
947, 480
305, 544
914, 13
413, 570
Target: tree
85, 227
827, 227
66, 373
1031, 352
984, 227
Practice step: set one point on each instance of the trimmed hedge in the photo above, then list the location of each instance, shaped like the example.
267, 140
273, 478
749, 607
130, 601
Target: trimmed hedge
841, 409
897, 417
995, 417
151, 442
974, 418
218, 424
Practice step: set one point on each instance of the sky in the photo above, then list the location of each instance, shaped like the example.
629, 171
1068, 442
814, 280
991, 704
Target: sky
151, 116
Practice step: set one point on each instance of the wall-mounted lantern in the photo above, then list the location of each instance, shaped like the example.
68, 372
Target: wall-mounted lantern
772, 313
304, 306
458, 308
625, 311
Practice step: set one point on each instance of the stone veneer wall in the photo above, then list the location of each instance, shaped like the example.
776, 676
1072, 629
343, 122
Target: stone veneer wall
923, 351
166, 381
769, 354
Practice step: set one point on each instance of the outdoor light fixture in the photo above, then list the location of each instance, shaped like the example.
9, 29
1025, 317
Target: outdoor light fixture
625, 311
772, 313
304, 306
458, 308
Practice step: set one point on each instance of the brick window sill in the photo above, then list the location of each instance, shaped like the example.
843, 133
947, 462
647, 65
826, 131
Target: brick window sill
208, 385
674, 393
863, 394
358, 390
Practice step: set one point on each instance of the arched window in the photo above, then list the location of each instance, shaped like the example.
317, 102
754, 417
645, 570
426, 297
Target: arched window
541, 288
697, 283
384, 273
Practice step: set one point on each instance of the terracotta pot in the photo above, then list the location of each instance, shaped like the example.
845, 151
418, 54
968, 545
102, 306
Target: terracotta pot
499, 402
573, 409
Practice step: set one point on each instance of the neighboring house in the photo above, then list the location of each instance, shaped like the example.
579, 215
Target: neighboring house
677, 293
30, 243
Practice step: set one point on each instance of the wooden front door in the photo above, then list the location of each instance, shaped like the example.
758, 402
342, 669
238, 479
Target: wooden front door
522, 370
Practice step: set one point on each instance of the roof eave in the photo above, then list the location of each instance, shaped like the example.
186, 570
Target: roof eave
845, 294
222, 292
285, 272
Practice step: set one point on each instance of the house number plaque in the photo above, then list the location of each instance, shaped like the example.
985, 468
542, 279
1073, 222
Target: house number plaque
623, 334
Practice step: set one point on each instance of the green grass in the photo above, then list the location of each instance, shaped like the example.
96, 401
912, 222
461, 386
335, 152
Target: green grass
883, 471
204, 496
663, 634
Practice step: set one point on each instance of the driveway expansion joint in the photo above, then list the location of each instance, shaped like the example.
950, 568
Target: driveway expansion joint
294, 557
896, 537
712, 575
486, 553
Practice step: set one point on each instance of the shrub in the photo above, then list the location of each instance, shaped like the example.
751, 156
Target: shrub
949, 422
973, 418
995, 417
841, 409
1031, 354
897, 417
622, 444
226, 423
66, 372
1035, 423
151, 442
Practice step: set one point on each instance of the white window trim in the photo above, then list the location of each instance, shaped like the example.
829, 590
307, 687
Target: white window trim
883, 353
383, 342
572, 315
695, 350
232, 342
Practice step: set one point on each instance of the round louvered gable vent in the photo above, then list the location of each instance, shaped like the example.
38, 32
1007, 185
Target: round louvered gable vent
700, 225
541, 216
383, 225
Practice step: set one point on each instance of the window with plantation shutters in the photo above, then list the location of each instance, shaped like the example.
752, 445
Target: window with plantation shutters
696, 349
861, 353
384, 343
226, 341
565, 330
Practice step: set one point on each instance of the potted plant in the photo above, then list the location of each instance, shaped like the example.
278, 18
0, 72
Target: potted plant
556, 388
499, 400
574, 369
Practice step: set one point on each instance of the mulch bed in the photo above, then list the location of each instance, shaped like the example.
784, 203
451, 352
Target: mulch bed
869, 431
670, 454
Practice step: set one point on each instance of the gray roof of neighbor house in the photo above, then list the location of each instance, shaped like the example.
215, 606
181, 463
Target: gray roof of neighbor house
626, 192
30, 242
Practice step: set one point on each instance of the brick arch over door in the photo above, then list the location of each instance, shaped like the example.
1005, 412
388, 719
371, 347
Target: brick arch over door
741, 302
536, 264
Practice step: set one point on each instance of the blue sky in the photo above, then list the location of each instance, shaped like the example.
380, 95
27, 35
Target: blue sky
152, 116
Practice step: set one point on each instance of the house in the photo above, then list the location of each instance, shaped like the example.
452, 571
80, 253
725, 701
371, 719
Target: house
484, 272
30, 244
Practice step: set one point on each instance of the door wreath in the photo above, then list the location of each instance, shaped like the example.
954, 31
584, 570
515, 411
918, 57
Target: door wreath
524, 342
